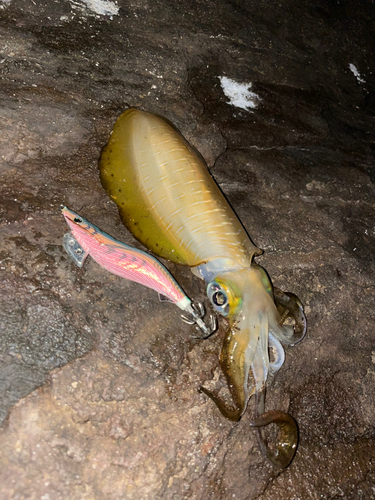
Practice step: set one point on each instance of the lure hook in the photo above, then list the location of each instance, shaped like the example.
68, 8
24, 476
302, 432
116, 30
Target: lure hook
195, 313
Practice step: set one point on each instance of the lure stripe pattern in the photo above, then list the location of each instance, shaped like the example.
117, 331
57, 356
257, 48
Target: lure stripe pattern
121, 259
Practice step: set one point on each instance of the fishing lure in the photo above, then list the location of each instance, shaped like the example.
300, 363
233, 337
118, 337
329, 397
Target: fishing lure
169, 201
128, 262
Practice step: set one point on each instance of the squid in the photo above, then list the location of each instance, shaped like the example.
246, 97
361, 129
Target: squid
168, 200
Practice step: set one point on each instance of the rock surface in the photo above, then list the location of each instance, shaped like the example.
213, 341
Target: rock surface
98, 379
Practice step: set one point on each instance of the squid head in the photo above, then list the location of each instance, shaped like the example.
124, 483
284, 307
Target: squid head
257, 325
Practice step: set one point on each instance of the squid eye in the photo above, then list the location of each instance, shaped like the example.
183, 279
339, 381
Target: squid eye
78, 220
218, 297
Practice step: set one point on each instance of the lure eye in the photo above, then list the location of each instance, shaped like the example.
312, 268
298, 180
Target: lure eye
77, 219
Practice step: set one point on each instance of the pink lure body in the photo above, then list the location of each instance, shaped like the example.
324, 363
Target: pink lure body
123, 260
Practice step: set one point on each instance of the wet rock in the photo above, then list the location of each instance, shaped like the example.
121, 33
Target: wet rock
106, 377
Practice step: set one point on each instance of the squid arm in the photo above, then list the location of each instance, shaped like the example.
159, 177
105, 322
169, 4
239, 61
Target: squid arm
246, 346
287, 441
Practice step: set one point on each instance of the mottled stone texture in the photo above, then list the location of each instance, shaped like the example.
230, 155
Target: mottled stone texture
98, 379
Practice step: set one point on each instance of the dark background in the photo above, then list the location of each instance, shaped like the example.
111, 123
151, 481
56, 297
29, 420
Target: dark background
98, 379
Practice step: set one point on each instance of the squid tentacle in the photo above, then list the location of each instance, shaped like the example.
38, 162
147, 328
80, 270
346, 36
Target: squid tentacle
289, 306
230, 413
287, 442
236, 358
279, 354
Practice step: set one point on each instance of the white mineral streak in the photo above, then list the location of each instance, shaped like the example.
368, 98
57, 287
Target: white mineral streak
96, 7
356, 73
239, 94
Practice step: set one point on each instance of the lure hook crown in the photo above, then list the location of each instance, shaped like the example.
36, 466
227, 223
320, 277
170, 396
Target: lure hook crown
195, 314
